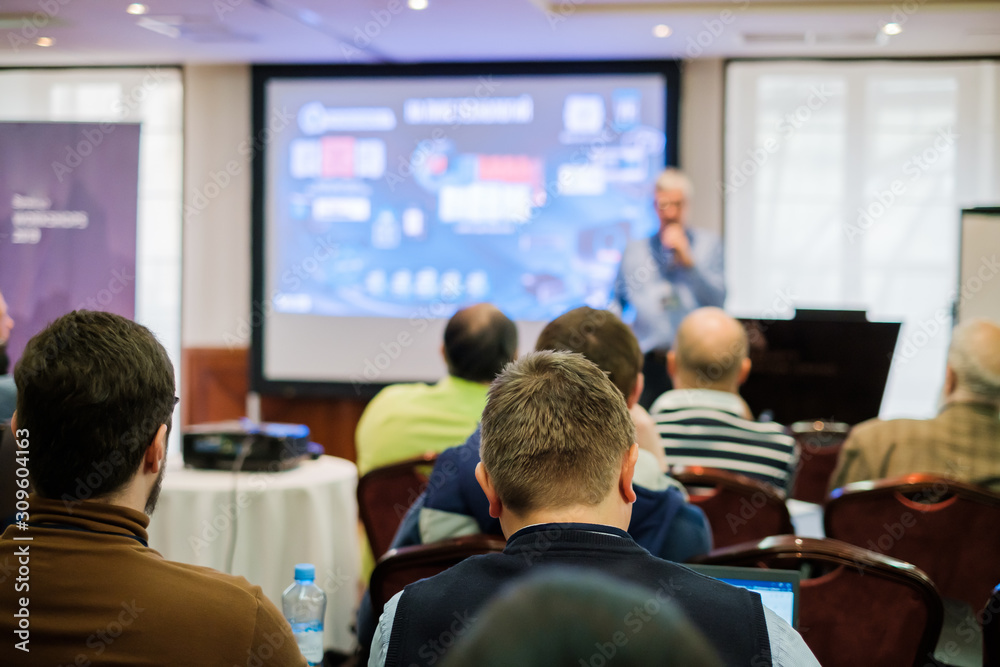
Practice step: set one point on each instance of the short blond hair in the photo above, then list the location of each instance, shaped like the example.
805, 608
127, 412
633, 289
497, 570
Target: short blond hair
555, 432
672, 178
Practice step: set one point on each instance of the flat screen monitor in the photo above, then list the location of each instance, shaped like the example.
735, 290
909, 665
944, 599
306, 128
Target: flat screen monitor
386, 198
826, 365
778, 589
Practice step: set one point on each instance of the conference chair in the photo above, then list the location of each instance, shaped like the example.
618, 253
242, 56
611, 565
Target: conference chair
856, 607
819, 443
989, 617
739, 508
403, 566
384, 495
949, 529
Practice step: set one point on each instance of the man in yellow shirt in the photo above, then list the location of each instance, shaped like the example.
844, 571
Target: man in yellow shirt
407, 420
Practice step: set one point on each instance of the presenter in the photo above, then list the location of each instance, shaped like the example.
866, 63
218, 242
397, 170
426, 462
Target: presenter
666, 276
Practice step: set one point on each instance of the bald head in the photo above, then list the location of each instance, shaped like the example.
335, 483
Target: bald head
710, 352
974, 359
478, 342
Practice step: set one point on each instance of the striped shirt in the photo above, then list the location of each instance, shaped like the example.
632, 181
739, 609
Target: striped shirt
704, 427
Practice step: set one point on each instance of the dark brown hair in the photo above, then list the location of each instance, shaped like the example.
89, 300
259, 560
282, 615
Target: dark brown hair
93, 388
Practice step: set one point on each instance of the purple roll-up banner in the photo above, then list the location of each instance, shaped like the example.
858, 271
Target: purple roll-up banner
68, 211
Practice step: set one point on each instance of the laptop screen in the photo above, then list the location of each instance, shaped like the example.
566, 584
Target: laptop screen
778, 589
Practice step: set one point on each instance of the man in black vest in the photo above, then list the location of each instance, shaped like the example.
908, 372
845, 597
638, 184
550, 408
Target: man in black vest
558, 454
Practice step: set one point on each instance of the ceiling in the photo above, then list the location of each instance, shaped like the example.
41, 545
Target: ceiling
100, 32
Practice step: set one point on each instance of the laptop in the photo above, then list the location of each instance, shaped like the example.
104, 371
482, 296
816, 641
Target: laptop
778, 589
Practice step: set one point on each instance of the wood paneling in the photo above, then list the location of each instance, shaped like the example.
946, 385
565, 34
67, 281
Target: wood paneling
215, 384
215, 388
332, 421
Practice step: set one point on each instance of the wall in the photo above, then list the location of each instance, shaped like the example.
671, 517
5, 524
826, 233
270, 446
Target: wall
701, 148
216, 294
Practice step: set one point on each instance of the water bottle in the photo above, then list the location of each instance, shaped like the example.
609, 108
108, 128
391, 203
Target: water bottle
304, 605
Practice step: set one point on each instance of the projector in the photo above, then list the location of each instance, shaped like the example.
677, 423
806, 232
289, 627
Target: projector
264, 447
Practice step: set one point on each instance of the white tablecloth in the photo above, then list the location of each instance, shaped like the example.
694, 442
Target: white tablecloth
306, 515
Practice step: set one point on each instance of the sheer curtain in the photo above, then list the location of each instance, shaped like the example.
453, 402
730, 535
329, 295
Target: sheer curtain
843, 183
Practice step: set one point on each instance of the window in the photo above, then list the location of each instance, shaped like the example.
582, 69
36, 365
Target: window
843, 184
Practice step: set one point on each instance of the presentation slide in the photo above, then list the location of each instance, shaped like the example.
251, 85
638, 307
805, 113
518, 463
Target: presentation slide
392, 202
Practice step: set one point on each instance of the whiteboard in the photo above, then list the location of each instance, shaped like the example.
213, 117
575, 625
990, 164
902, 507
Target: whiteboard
979, 265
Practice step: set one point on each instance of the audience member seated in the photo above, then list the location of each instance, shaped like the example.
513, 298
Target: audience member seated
92, 424
558, 457
703, 421
407, 420
8, 392
662, 522
962, 442
574, 618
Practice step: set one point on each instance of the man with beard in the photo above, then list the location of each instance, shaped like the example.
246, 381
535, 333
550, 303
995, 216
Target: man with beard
94, 405
8, 394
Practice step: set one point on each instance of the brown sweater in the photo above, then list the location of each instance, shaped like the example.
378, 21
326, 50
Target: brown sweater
962, 442
96, 595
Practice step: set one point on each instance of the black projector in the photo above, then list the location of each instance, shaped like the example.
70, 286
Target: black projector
265, 447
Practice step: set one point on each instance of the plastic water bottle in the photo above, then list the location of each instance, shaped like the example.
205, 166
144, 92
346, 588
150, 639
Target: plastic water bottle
304, 605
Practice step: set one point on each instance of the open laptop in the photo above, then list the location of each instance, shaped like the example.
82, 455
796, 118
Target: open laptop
778, 589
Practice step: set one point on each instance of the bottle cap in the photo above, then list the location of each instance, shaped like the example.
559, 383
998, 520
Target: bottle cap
305, 572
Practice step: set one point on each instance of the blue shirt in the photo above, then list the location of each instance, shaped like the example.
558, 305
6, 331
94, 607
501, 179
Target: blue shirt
8, 397
454, 504
661, 292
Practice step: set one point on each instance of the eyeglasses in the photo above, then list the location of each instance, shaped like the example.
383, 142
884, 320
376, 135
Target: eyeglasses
669, 203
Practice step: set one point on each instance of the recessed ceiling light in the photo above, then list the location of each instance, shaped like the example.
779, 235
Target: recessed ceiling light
417, 4
137, 9
662, 30
892, 28
44, 41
